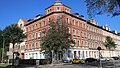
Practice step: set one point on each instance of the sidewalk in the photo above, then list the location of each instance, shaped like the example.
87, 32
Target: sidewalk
51, 65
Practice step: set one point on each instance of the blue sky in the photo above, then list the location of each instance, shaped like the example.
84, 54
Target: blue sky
12, 10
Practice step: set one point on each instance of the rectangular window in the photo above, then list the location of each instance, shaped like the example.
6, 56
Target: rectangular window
72, 22
79, 54
86, 27
32, 35
74, 32
75, 54
44, 23
89, 53
78, 32
88, 44
32, 44
68, 30
29, 28
74, 41
85, 34
33, 27
36, 35
86, 54
40, 25
78, 42
82, 33
29, 37
26, 29
82, 43
40, 34
67, 20
76, 23
27, 47
83, 55
80, 25
37, 45
83, 25
36, 26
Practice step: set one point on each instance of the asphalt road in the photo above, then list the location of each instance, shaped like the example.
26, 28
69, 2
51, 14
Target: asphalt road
69, 65
57, 66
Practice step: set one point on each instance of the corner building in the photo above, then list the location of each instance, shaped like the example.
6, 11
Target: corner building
86, 34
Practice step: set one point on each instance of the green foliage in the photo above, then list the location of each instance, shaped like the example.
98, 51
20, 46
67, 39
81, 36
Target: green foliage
98, 7
109, 43
1, 46
57, 38
1, 38
13, 34
3, 65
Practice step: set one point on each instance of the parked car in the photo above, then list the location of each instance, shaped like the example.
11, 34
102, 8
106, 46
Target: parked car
91, 60
105, 59
102, 59
67, 60
109, 59
77, 61
115, 58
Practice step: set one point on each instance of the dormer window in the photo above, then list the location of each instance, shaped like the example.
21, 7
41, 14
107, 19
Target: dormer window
58, 9
50, 10
20, 25
66, 10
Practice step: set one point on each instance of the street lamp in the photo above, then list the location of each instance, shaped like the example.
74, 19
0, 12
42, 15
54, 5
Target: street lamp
99, 48
52, 56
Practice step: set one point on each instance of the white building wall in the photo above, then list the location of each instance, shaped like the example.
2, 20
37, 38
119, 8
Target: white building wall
85, 53
34, 55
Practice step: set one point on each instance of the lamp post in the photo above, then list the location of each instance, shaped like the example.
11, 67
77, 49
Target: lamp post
52, 56
99, 48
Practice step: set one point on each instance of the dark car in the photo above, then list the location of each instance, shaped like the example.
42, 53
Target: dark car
115, 58
90, 60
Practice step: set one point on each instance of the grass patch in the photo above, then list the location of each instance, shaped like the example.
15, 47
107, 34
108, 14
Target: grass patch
3, 65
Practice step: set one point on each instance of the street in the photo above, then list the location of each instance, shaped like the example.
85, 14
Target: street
107, 64
57, 66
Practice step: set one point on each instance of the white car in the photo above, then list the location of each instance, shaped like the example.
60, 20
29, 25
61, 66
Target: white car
106, 59
67, 60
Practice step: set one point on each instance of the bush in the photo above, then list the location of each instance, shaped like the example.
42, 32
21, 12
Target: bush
33, 61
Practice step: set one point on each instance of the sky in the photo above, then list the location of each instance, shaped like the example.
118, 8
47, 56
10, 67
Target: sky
12, 10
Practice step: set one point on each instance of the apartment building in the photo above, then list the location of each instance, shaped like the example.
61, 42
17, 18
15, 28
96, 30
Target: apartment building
87, 34
115, 36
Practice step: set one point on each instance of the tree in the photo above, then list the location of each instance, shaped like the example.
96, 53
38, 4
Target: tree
98, 7
3, 49
109, 43
1, 38
1, 44
13, 34
57, 38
